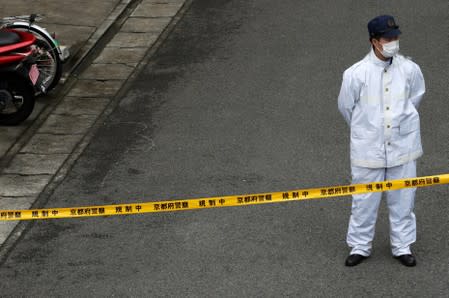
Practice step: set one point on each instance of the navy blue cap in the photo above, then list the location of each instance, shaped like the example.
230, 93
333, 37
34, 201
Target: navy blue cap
383, 26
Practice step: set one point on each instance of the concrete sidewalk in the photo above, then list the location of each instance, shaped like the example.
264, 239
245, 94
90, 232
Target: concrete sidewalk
36, 155
73, 21
75, 26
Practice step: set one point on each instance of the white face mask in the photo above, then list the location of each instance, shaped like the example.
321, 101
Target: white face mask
390, 48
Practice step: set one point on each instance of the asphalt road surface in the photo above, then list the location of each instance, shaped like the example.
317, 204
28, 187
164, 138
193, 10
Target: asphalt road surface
242, 98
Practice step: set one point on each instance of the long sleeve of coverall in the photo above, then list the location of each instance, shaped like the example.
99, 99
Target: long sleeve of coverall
348, 97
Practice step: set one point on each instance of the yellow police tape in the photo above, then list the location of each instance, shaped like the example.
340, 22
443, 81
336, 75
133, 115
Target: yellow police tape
225, 201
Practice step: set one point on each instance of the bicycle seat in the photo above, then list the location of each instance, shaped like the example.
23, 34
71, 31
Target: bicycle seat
8, 38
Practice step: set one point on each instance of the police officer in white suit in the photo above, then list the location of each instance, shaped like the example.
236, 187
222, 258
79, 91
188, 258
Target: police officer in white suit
379, 99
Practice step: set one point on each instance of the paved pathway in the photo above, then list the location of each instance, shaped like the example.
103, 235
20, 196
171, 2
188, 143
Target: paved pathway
34, 152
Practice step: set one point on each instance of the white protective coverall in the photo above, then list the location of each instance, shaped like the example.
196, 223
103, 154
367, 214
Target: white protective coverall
379, 101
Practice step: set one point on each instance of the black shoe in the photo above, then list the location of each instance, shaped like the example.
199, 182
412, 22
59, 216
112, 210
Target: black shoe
354, 260
407, 260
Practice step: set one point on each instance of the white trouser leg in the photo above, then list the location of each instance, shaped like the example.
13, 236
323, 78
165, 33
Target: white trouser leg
400, 206
364, 211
